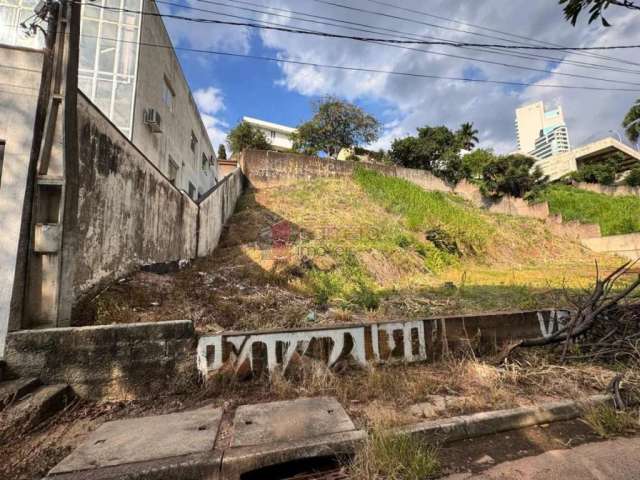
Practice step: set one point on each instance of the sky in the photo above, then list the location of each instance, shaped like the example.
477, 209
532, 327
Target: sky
228, 88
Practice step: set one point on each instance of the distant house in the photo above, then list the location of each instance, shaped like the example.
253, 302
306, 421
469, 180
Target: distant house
278, 135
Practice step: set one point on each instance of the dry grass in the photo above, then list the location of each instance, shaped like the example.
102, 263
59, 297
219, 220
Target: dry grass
352, 257
606, 421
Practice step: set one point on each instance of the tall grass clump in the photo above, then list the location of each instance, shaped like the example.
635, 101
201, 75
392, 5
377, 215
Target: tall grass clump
394, 457
615, 215
424, 210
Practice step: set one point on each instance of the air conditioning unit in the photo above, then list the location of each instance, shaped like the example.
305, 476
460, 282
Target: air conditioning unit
153, 120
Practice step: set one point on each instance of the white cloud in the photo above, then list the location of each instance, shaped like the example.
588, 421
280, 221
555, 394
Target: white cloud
211, 102
416, 102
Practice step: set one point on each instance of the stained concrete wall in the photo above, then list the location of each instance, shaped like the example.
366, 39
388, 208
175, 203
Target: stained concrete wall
20, 71
129, 214
627, 246
216, 207
108, 362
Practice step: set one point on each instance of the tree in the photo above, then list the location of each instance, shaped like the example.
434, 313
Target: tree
603, 173
468, 136
244, 135
573, 8
513, 175
631, 122
222, 152
475, 161
335, 125
633, 179
436, 149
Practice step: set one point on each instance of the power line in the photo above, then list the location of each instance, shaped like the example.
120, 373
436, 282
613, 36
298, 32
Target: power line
480, 27
411, 20
369, 70
363, 39
288, 16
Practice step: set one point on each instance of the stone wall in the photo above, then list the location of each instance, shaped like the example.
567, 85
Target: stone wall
20, 73
215, 208
627, 246
129, 214
110, 361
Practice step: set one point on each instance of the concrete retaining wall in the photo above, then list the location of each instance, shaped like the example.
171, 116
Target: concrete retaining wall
108, 362
215, 209
614, 191
627, 246
378, 342
129, 214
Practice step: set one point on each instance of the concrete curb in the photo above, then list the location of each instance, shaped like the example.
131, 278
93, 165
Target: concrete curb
487, 423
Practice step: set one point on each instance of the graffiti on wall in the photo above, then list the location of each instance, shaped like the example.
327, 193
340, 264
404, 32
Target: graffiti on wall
402, 341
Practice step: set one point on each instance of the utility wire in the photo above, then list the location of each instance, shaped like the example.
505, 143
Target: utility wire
480, 27
288, 16
368, 70
419, 22
362, 39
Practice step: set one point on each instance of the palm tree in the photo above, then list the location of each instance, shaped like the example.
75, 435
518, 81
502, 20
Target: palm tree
468, 136
631, 122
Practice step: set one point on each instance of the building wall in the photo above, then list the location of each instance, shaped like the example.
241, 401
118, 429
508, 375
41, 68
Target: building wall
531, 120
20, 71
155, 67
614, 191
279, 136
627, 246
129, 214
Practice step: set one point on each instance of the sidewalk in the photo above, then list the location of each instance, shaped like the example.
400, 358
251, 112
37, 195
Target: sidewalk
613, 459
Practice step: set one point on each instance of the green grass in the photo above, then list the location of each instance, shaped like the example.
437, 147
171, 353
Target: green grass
394, 457
424, 210
606, 421
615, 215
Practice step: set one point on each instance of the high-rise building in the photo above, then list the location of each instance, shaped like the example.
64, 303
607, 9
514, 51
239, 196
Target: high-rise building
541, 133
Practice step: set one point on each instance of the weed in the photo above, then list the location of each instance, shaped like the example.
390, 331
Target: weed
394, 457
615, 215
607, 421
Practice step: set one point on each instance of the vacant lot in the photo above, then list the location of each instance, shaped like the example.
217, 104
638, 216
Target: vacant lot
366, 247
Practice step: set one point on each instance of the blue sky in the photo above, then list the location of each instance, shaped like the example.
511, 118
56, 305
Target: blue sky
228, 88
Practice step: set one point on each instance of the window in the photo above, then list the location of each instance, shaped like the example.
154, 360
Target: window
194, 142
272, 135
192, 190
205, 161
168, 95
173, 170
1, 159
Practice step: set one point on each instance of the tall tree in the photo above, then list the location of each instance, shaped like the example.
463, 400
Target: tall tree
468, 136
631, 122
573, 8
222, 152
244, 135
515, 175
335, 125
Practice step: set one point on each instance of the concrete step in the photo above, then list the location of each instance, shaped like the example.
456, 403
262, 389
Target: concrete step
35, 408
12, 391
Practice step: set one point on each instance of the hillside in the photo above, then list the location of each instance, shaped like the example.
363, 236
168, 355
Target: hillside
615, 215
368, 246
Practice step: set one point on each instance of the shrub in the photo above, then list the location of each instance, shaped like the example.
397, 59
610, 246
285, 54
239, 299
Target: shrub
602, 173
244, 135
633, 179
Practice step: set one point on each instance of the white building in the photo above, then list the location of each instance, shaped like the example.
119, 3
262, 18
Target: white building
278, 135
541, 133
